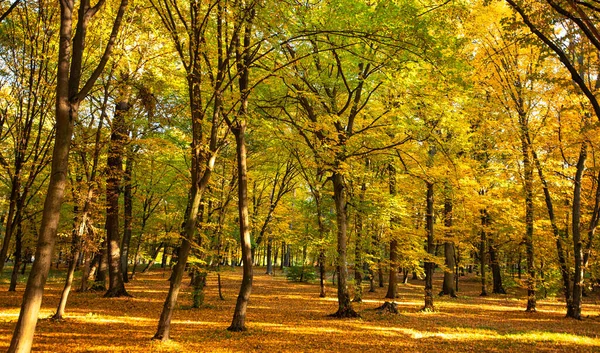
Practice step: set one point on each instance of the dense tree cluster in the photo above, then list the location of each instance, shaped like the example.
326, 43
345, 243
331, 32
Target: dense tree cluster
372, 138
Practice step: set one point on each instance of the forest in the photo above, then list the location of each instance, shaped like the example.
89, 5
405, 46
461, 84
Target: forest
299, 175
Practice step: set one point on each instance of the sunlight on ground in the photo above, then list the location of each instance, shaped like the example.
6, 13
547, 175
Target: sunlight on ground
290, 317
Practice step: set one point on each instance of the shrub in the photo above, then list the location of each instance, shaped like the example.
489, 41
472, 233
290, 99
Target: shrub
300, 273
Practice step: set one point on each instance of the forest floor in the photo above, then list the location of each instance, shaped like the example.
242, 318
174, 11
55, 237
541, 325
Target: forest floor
290, 317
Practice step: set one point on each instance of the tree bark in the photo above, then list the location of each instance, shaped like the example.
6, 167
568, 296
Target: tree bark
75, 250
9, 230
448, 283
127, 215
18, 260
577, 241
528, 191
65, 116
393, 275
116, 287
358, 261
270, 256
429, 265
339, 194
497, 288
482, 255
558, 236
239, 315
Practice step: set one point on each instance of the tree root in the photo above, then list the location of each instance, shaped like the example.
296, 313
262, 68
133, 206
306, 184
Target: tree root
236, 328
117, 293
388, 307
347, 312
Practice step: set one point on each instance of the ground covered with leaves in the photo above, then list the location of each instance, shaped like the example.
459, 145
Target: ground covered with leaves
290, 317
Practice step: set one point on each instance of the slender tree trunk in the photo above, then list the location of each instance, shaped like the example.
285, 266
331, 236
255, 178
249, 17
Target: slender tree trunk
270, 256
18, 259
528, 190
8, 232
558, 236
448, 283
577, 241
239, 314
62, 304
153, 257
393, 275
196, 191
429, 266
358, 261
322, 273
136, 255
283, 249
128, 216
482, 256
80, 222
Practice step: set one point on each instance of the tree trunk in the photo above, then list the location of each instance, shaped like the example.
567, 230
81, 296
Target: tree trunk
75, 249
18, 259
429, 266
528, 191
270, 256
322, 273
239, 314
498, 288
344, 305
577, 241
448, 283
358, 261
558, 236
65, 116
153, 257
127, 216
482, 256
9, 230
393, 275
116, 287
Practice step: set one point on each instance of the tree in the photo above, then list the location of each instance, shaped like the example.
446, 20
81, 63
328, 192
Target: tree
69, 95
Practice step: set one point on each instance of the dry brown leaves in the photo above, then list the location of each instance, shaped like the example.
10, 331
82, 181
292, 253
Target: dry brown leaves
289, 317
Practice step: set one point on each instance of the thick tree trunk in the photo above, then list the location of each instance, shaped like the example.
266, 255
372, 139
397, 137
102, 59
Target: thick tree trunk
239, 314
448, 285
339, 194
498, 288
116, 287
429, 266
